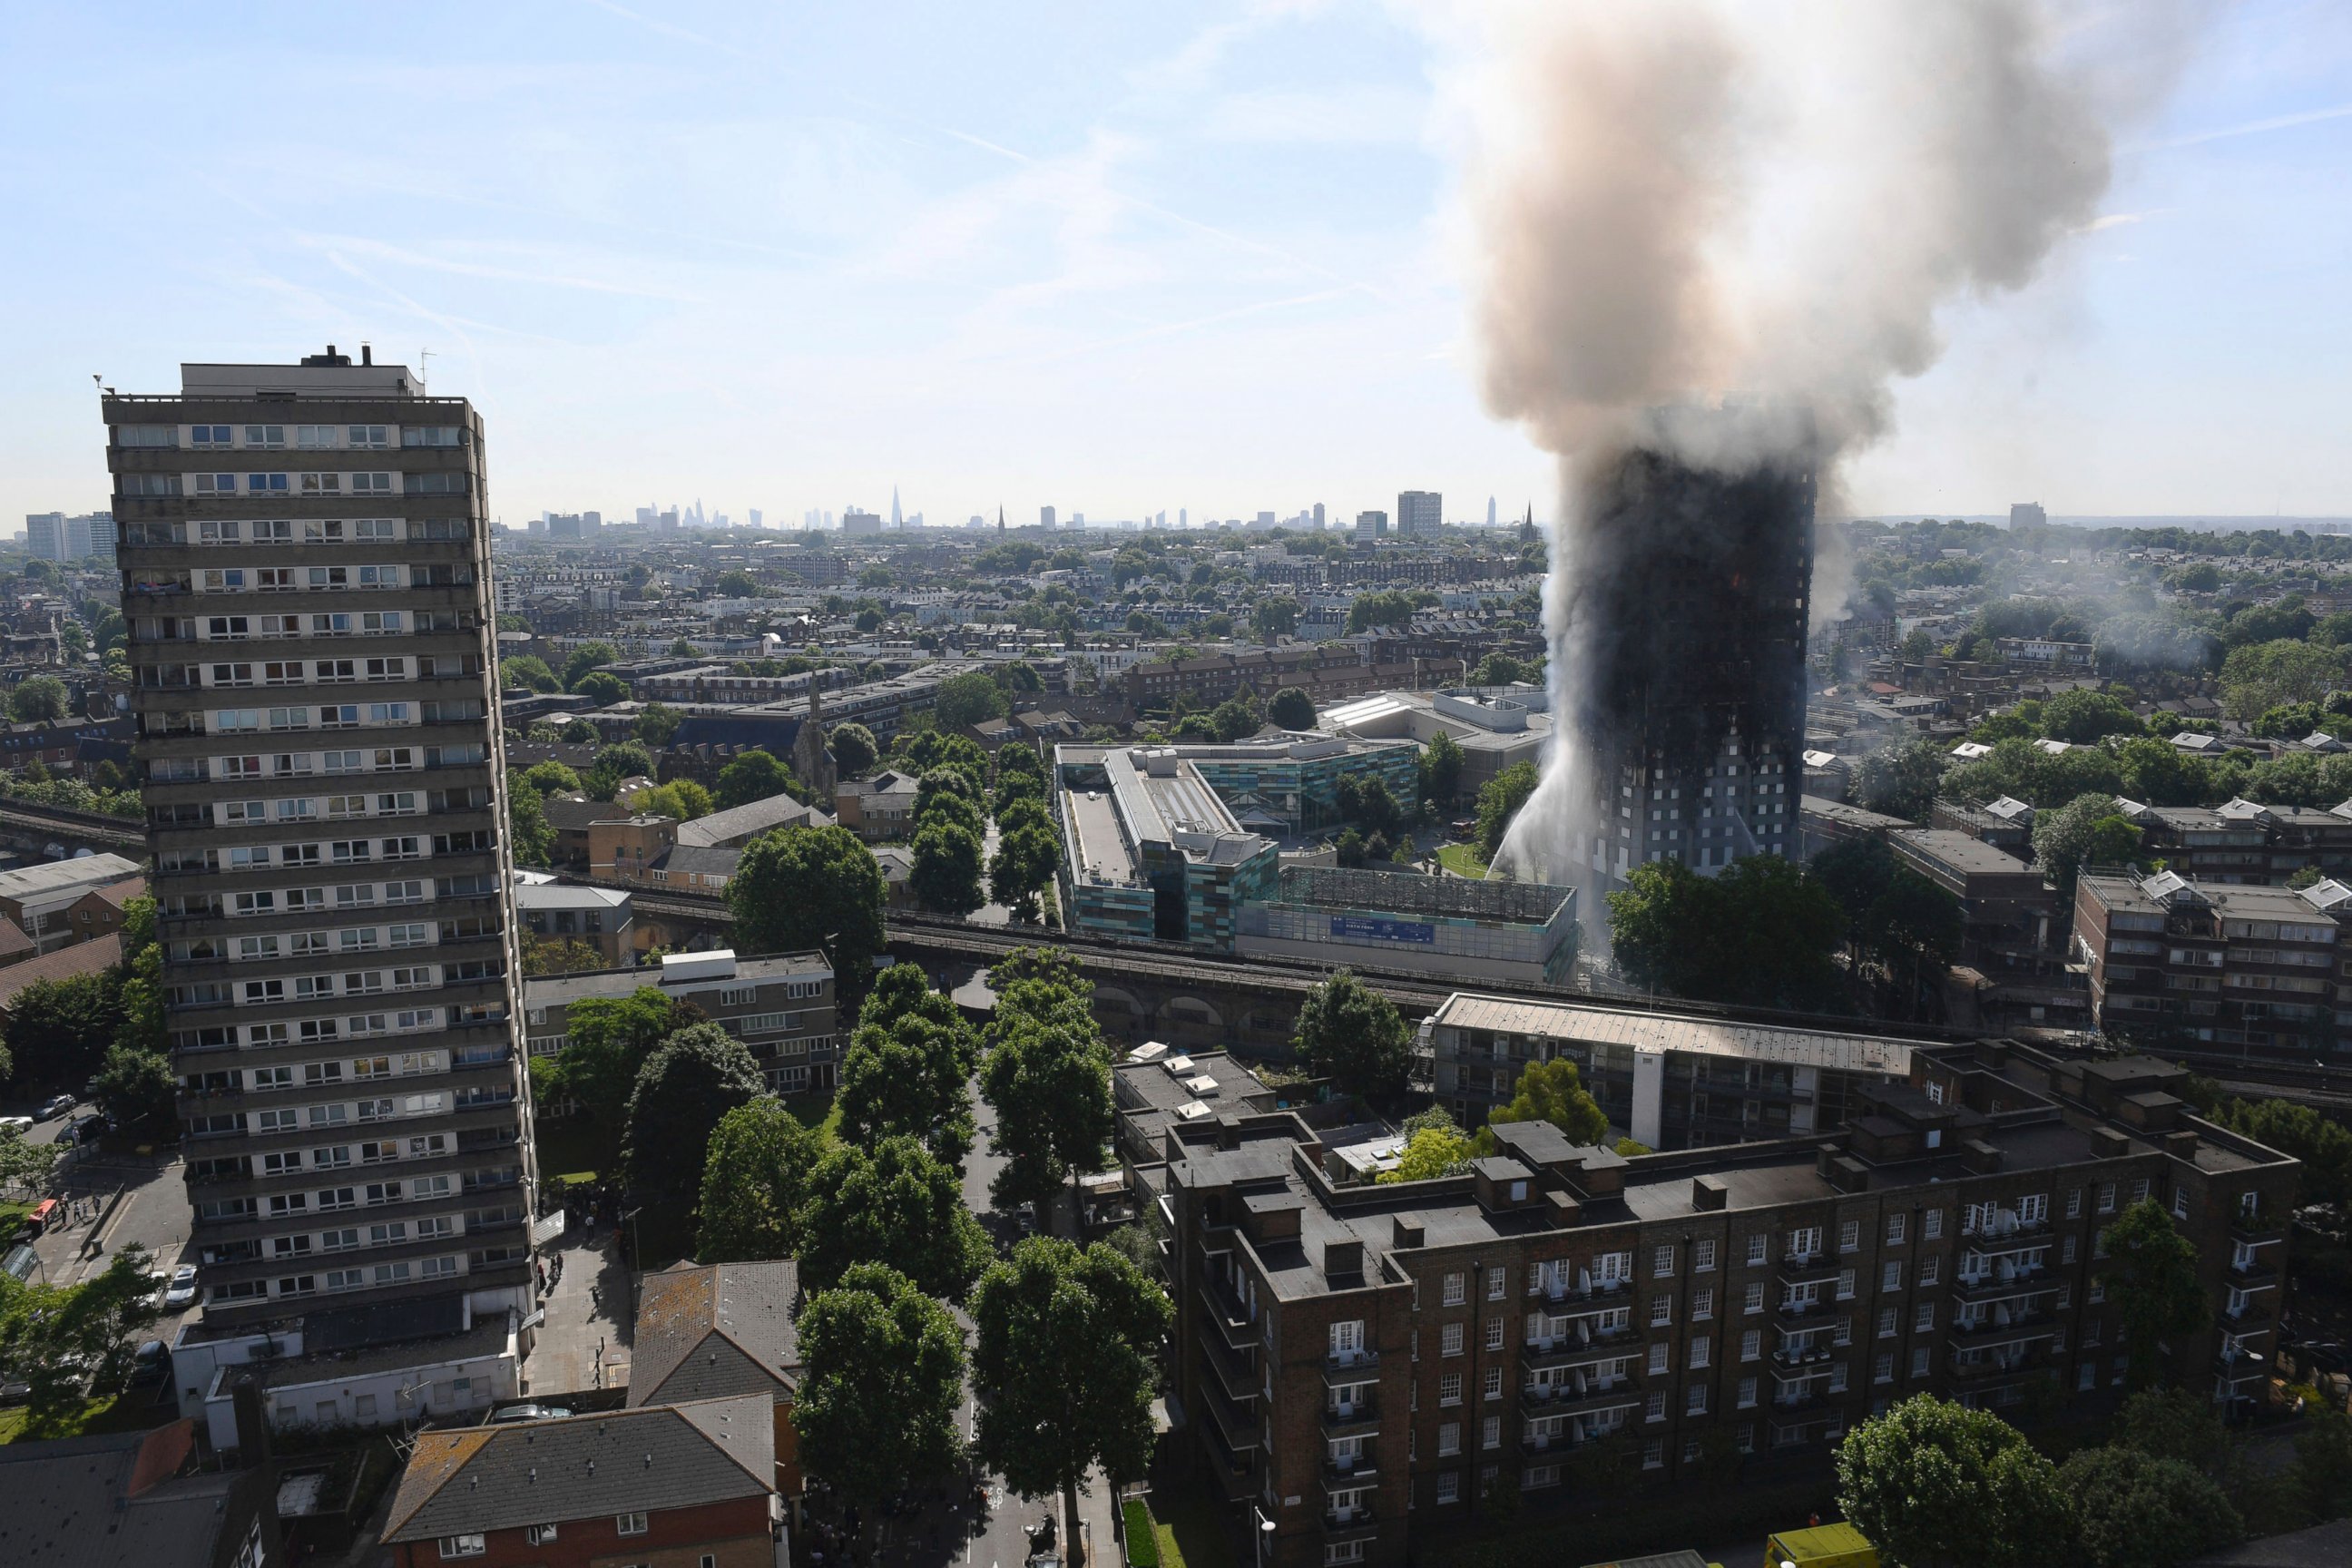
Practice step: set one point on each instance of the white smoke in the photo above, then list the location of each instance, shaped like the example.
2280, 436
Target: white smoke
1766, 196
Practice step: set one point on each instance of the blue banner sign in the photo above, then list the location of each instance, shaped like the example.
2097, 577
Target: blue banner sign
1362, 927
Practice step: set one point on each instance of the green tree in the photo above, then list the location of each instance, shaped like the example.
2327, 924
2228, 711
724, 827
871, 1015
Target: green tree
1047, 1075
680, 800
530, 833
695, 1078
1354, 1036
755, 1180
1441, 771
657, 724
2079, 834
136, 1090
1027, 857
2323, 1144
1901, 779
40, 700
63, 1339
1500, 799
1499, 669
894, 1205
1431, 1153
579, 732
527, 672
2323, 1462
1936, 1485
559, 955
2082, 715
806, 888
586, 657
2133, 1510
2150, 1273
25, 1167
753, 776
907, 1078
58, 1029
629, 759
2179, 1424
1757, 934
1554, 1091
549, 778
854, 749
904, 991
1389, 608
2259, 676
601, 687
607, 1040
966, 699
1065, 1368
946, 870
1292, 709
1914, 922
1276, 618
877, 1408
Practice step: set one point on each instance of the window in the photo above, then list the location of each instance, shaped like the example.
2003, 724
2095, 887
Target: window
1490, 1432
1850, 1236
1496, 1281
1456, 1290
1449, 1487
1804, 1241
1703, 1303
1747, 1392
1845, 1284
1887, 1323
1348, 1340
1661, 1261
1925, 1317
1493, 1389
1657, 1360
2074, 1202
1890, 1278
1895, 1230
462, 1546
1702, 1254
1449, 1389
1919, 1361
1661, 1310
1655, 1407
1755, 1302
1751, 1345
2107, 1197
1882, 1370
1653, 1454
1494, 1333
539, 1535
1756, 1244
1449, 1340
629, 1524
1931, 1225
1700, 1349
1695, 1400
1449, 1439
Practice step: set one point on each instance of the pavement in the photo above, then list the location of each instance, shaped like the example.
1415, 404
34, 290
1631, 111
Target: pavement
112, 1200
583, 1344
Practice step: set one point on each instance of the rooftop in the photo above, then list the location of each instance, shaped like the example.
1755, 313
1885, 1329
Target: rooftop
562, 990
717, 1330
1645, 1030
1404, 893
24, 883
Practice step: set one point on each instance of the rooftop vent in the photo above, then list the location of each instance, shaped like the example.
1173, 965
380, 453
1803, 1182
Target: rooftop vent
1710, 1193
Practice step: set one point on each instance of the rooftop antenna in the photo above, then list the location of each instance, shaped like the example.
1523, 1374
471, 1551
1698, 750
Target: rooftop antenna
424, 362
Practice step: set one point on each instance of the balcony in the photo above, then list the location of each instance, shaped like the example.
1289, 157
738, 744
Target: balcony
1806, 1268
1236, 1428
1232, 1371
2246, 1366
1571, 1350
2254, 1311
1998, 1366
1358, 1420
1353, 1524
1232, 1319
1356, 1366
1568, 1399
2017, 1328
1792, 1358
1994, 1284
1792, 1311
2256, 1228
1362, 1471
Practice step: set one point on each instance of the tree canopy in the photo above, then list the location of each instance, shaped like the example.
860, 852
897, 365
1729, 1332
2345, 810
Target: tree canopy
605, 1040
1354, 1036
1554, 1091
1758, 933
693, 1079
907, 1078
807, 889
1066, 1367
877, 1409
2150, 1274
1936, 1485
966, 699
1048, 1074
1500, 799
894, 1205
755, 1181
1292, 709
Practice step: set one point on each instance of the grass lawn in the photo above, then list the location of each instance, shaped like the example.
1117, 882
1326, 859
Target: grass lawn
1192, 1527
1462, 859
567, 1149
12, 1215
132, 1412
816, 1109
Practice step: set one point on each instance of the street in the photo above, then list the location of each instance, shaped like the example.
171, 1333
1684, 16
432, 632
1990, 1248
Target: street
111, 1200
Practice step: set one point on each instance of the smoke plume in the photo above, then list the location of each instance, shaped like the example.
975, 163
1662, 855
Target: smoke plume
1680, 197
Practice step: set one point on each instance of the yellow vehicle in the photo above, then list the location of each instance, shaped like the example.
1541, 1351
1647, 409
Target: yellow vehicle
1822, 1546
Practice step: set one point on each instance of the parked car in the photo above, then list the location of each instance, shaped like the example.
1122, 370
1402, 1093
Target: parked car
88, 1130
507, 1413
152, 1360
181, 1290
57, 1105
16, 1124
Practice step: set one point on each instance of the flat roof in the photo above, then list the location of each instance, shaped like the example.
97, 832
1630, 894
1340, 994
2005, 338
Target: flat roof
1844, 1052
1406, 893
1098, 853
562, 990
1961, 852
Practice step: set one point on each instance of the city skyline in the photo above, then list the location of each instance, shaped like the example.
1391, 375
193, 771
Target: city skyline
678, 256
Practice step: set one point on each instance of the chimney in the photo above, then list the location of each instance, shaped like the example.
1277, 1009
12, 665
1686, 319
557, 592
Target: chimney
367, 354
1566, 1210
2181, 1145
1342, 1258
253, 1454
1710, 1193
1980, 1156
1408, 1231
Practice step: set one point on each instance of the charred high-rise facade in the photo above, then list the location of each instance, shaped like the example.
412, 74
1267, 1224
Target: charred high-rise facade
1686, 605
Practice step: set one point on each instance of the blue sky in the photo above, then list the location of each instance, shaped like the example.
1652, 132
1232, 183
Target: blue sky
1113, 258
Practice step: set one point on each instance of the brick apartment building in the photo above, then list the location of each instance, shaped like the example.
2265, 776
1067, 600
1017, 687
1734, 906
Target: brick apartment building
1325, 671
2197, 967
1360, 1363
781, 1007
2243, 841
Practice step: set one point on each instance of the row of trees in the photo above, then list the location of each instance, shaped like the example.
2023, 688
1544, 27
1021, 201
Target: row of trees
104, 1029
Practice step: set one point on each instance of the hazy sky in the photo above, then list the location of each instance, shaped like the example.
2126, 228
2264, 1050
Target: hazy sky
1115, 257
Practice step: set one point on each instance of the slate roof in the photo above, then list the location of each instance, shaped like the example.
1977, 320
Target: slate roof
61, 963
481, 1479
84, 1502
739, 825
713, 1329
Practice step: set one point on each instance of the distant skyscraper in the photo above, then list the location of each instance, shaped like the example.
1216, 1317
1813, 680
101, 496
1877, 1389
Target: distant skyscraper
755, 517
1045, 516
45, 535
1319, 517
1183, 517
860, 523
1420, 514
1371, 524
2028, 514
896, 519
1490, 512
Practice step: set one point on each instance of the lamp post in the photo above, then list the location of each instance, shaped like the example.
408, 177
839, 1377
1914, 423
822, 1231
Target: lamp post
1264, 1535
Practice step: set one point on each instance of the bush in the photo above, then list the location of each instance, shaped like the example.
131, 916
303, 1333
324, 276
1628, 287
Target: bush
1142, 1537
